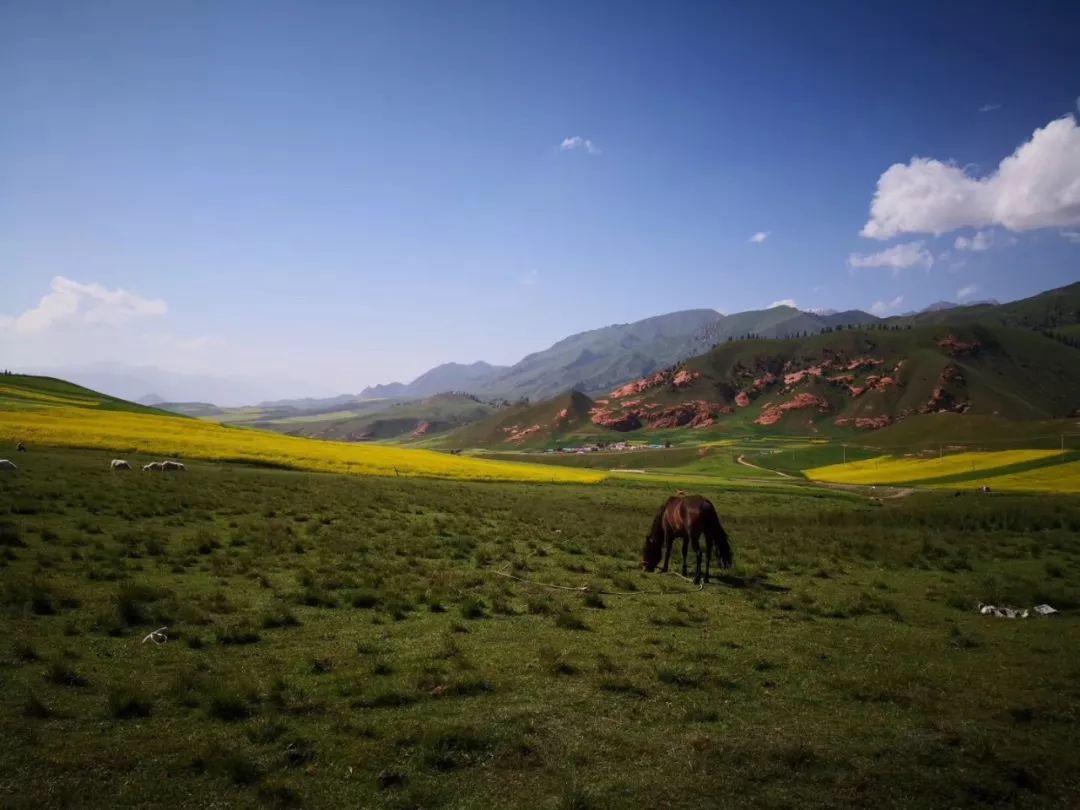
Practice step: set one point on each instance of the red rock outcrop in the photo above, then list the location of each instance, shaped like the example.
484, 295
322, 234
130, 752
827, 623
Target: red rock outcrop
862, 362
764, 381
955, 346
637, 386
695, 413
864, 422
796, 377
772, 413
677, 379
616, 420
683, 378
421, 430
518, 433
942, 399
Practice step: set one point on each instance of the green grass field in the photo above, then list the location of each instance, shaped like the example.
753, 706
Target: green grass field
341, 641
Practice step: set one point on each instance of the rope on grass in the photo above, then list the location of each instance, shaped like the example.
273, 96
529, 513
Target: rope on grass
157, 636
585, 588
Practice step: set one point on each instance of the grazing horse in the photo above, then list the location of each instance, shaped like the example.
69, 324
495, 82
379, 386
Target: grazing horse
688, 517
153, 466
172, 466
119, 464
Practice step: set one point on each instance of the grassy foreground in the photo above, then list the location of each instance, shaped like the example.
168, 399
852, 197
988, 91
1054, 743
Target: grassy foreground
344, 641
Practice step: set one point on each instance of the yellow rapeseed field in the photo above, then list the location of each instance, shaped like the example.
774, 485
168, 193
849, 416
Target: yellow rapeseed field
1051, 478
122, 432
891, 470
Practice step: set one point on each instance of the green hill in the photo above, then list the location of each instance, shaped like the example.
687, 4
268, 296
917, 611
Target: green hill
843, 382
406, 420
19, 391
527, 425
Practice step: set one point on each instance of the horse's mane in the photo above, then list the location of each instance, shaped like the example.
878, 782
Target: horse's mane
657, 530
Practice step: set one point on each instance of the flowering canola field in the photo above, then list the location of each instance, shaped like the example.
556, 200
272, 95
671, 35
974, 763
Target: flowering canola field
152, 434
891, 470
1051, 478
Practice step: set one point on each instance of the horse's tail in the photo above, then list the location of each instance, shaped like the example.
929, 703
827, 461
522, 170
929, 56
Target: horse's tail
715, 533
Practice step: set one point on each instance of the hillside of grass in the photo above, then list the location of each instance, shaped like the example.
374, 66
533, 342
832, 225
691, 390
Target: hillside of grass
528, 425
22, 391
55, 414
931, 431
909, 470
397, 420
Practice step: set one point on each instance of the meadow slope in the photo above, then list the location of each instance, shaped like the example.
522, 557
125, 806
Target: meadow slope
180, 437
45, 412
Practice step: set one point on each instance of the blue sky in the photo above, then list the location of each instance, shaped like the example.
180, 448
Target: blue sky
349, 193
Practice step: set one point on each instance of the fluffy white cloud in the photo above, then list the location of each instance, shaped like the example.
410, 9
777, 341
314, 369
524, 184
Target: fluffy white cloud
1071, 236
896, 258
1037, 186
982, 240
74, 302
985, 108
883, 308
967, 292
784, 302
759, 237
577, 142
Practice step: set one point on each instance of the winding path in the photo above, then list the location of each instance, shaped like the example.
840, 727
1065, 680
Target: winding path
742, 460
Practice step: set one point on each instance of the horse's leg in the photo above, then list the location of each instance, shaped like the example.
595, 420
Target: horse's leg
685, 546
669, 538
697, 552
708, 555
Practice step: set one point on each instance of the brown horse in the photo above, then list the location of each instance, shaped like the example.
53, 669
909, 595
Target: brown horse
687, 517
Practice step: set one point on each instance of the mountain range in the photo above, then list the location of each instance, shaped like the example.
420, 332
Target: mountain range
591, 362
994, 365
599, 358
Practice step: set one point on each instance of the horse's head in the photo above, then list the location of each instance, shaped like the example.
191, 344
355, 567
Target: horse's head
650, 554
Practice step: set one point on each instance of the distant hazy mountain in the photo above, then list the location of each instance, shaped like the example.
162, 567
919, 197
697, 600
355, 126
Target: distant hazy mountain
947, 306
447, 377
308, 404
149, 384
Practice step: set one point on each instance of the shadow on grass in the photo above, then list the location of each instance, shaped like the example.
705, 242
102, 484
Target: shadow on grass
749, 583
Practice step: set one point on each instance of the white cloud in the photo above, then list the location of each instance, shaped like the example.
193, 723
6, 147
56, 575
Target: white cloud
1071, 236
759, 237
982, 240
784, 302
1037, 186
985, 108
898, 257
74, 302
883, 308
967, 292
577, 142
